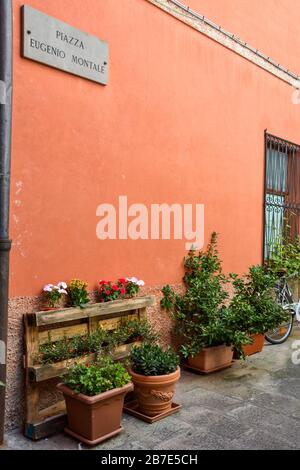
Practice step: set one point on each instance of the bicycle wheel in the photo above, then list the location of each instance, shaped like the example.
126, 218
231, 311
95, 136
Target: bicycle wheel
281, 333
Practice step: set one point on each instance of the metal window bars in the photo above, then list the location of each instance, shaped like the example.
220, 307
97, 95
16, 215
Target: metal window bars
282, 192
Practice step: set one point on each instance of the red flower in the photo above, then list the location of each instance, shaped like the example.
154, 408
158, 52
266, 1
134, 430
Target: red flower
102, 282
122, 280
107, 292
114, 287
123, 290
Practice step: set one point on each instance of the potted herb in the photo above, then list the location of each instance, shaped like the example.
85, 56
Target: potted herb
203, 323
154, 373
254, 308
77, 291
53, 294
94, 398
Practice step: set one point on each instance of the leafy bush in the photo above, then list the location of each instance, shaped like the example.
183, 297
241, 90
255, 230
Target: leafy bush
285, 256
151, 359
201, 316
96, 378
77, 291
254, 307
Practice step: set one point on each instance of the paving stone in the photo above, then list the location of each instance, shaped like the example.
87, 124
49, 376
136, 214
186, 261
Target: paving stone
255, 404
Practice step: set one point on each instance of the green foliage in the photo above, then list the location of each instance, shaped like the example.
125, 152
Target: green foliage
201, 316
96, 378
68, 348
254, 307
77, 291
2, 384
285, 256
133, 330
132, 288
98, 341
151, 359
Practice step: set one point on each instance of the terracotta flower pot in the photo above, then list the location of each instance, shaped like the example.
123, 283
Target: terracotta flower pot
256, 346
94, 419
212, 358
154, 393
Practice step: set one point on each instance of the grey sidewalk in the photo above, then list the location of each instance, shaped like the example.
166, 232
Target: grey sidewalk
253, 405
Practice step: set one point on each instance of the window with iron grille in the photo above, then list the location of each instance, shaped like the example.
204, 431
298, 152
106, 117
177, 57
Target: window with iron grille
282, 192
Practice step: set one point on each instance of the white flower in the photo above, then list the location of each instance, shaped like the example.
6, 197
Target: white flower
56, 287
48, 288
140, 283
62, 291
132, 279
62, 285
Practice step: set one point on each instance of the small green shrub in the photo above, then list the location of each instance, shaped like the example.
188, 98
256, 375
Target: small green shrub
151, 359
96, 378
285, 257
201, 316
253, 306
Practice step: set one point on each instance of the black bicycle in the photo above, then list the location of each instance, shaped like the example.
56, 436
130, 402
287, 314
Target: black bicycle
285, 298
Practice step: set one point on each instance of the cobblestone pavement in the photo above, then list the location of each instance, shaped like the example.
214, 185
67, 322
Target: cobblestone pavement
253, 405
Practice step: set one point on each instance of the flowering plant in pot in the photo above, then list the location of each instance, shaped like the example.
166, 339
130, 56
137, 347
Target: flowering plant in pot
94, 396
154, 373
254, 308
123, 288
77, 292
53, 294
203, 322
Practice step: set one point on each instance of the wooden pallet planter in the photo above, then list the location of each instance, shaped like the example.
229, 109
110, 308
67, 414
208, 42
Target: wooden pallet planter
42, 423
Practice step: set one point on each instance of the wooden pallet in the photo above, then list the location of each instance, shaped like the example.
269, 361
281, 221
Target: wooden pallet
67, 323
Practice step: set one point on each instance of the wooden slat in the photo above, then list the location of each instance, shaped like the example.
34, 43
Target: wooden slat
106, 309
32, 391
38, 373
60, 333
57, 408
45, 428
113, 323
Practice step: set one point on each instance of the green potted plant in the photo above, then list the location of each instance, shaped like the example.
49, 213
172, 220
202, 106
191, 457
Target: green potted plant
154, 373
77, 292
254, 308
94, 396
203, 322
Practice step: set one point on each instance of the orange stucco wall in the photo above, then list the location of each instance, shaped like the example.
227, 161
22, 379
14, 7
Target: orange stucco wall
181, 120
272, 26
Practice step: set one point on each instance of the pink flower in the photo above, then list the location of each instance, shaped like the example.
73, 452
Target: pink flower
123, 290
114, 287
107, 292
